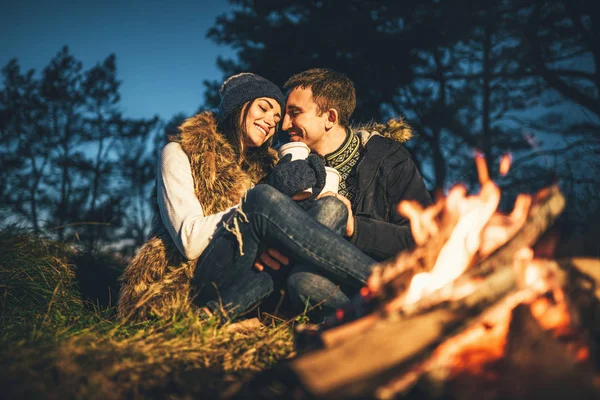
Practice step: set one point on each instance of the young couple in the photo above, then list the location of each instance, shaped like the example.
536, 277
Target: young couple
226, 212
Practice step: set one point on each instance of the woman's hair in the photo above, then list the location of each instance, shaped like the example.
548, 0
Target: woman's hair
234, 130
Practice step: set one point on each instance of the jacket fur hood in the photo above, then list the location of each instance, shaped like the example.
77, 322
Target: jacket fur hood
158, 279
396, 129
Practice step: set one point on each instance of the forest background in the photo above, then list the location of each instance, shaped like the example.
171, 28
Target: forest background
500, 76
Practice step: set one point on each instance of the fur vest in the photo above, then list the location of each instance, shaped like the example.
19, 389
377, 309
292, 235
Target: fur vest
158, 279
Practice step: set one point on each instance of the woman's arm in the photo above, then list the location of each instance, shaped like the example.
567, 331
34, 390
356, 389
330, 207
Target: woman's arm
180, 210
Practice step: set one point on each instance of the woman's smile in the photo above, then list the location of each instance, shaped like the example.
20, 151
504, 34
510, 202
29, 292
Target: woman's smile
263, 130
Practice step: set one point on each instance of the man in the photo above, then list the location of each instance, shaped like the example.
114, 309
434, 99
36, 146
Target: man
377, 173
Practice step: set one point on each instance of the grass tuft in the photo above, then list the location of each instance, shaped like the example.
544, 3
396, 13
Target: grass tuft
36, 290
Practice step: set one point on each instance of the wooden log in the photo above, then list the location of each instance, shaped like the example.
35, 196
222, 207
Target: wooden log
495, 286
589, 267
584, 296
537, 365
486, 333
393, 346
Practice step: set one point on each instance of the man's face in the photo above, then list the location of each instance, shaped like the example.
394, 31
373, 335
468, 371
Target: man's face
302, 119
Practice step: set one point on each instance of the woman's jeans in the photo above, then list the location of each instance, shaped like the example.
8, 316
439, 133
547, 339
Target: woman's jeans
267, 218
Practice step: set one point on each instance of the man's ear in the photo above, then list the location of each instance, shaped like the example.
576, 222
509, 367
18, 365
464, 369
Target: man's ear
331, 118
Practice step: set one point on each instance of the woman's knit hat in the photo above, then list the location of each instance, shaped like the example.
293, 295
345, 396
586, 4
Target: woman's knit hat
240, 88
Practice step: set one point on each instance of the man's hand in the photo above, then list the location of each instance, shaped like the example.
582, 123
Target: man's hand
350, 223
271, 258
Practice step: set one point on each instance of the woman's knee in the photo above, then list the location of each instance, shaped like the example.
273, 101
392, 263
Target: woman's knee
262, 195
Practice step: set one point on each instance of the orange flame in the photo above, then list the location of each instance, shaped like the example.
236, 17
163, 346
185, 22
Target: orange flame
505, 163
482, 170
480, 230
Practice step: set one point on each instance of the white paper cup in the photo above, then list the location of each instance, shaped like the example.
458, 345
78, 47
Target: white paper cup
298, 150
332, 180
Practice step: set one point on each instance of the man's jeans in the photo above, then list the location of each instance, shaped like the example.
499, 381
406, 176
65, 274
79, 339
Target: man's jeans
268, 218
318, 291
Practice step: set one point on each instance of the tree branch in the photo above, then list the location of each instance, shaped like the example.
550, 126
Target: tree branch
551, 78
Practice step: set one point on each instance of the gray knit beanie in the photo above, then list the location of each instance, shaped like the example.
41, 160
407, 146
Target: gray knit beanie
240, 88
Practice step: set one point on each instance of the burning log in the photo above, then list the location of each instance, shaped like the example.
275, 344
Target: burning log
450, 344
540, 363
399, 348
476, 352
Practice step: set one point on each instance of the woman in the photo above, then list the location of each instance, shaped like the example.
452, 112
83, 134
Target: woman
214, 221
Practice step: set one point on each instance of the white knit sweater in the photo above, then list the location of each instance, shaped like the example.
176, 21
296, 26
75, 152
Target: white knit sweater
179, 207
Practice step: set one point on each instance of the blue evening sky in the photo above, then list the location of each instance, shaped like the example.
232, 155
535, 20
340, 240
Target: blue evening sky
162, 51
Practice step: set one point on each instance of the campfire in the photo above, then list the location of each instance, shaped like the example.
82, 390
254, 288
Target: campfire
472, 312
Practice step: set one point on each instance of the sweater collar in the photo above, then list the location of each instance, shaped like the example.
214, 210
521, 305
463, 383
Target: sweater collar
346, 152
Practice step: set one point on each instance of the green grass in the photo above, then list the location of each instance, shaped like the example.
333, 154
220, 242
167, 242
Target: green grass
54, 344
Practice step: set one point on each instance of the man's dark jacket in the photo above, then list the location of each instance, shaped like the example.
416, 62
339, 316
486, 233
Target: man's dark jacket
386, 175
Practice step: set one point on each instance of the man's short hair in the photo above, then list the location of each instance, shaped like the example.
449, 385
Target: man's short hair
330, 89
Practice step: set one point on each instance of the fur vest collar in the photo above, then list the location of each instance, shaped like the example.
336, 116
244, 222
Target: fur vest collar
220, 180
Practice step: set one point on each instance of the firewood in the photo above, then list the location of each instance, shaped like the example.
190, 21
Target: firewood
584, 296
391, 356
390, 348
485, 332
537, 365
589, 267
398, 345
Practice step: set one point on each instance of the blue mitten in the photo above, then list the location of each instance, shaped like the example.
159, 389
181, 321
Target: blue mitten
291, 177
317, 163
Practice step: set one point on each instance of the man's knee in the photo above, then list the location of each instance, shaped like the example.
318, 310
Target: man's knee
332, 213
304, 285
335, 207
299, 284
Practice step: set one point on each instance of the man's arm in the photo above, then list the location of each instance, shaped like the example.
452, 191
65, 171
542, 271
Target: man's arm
381, 239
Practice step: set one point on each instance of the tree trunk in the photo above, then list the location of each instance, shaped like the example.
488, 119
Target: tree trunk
439, 160
486, 109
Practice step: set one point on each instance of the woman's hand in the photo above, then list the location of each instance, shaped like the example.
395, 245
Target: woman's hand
293, 177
